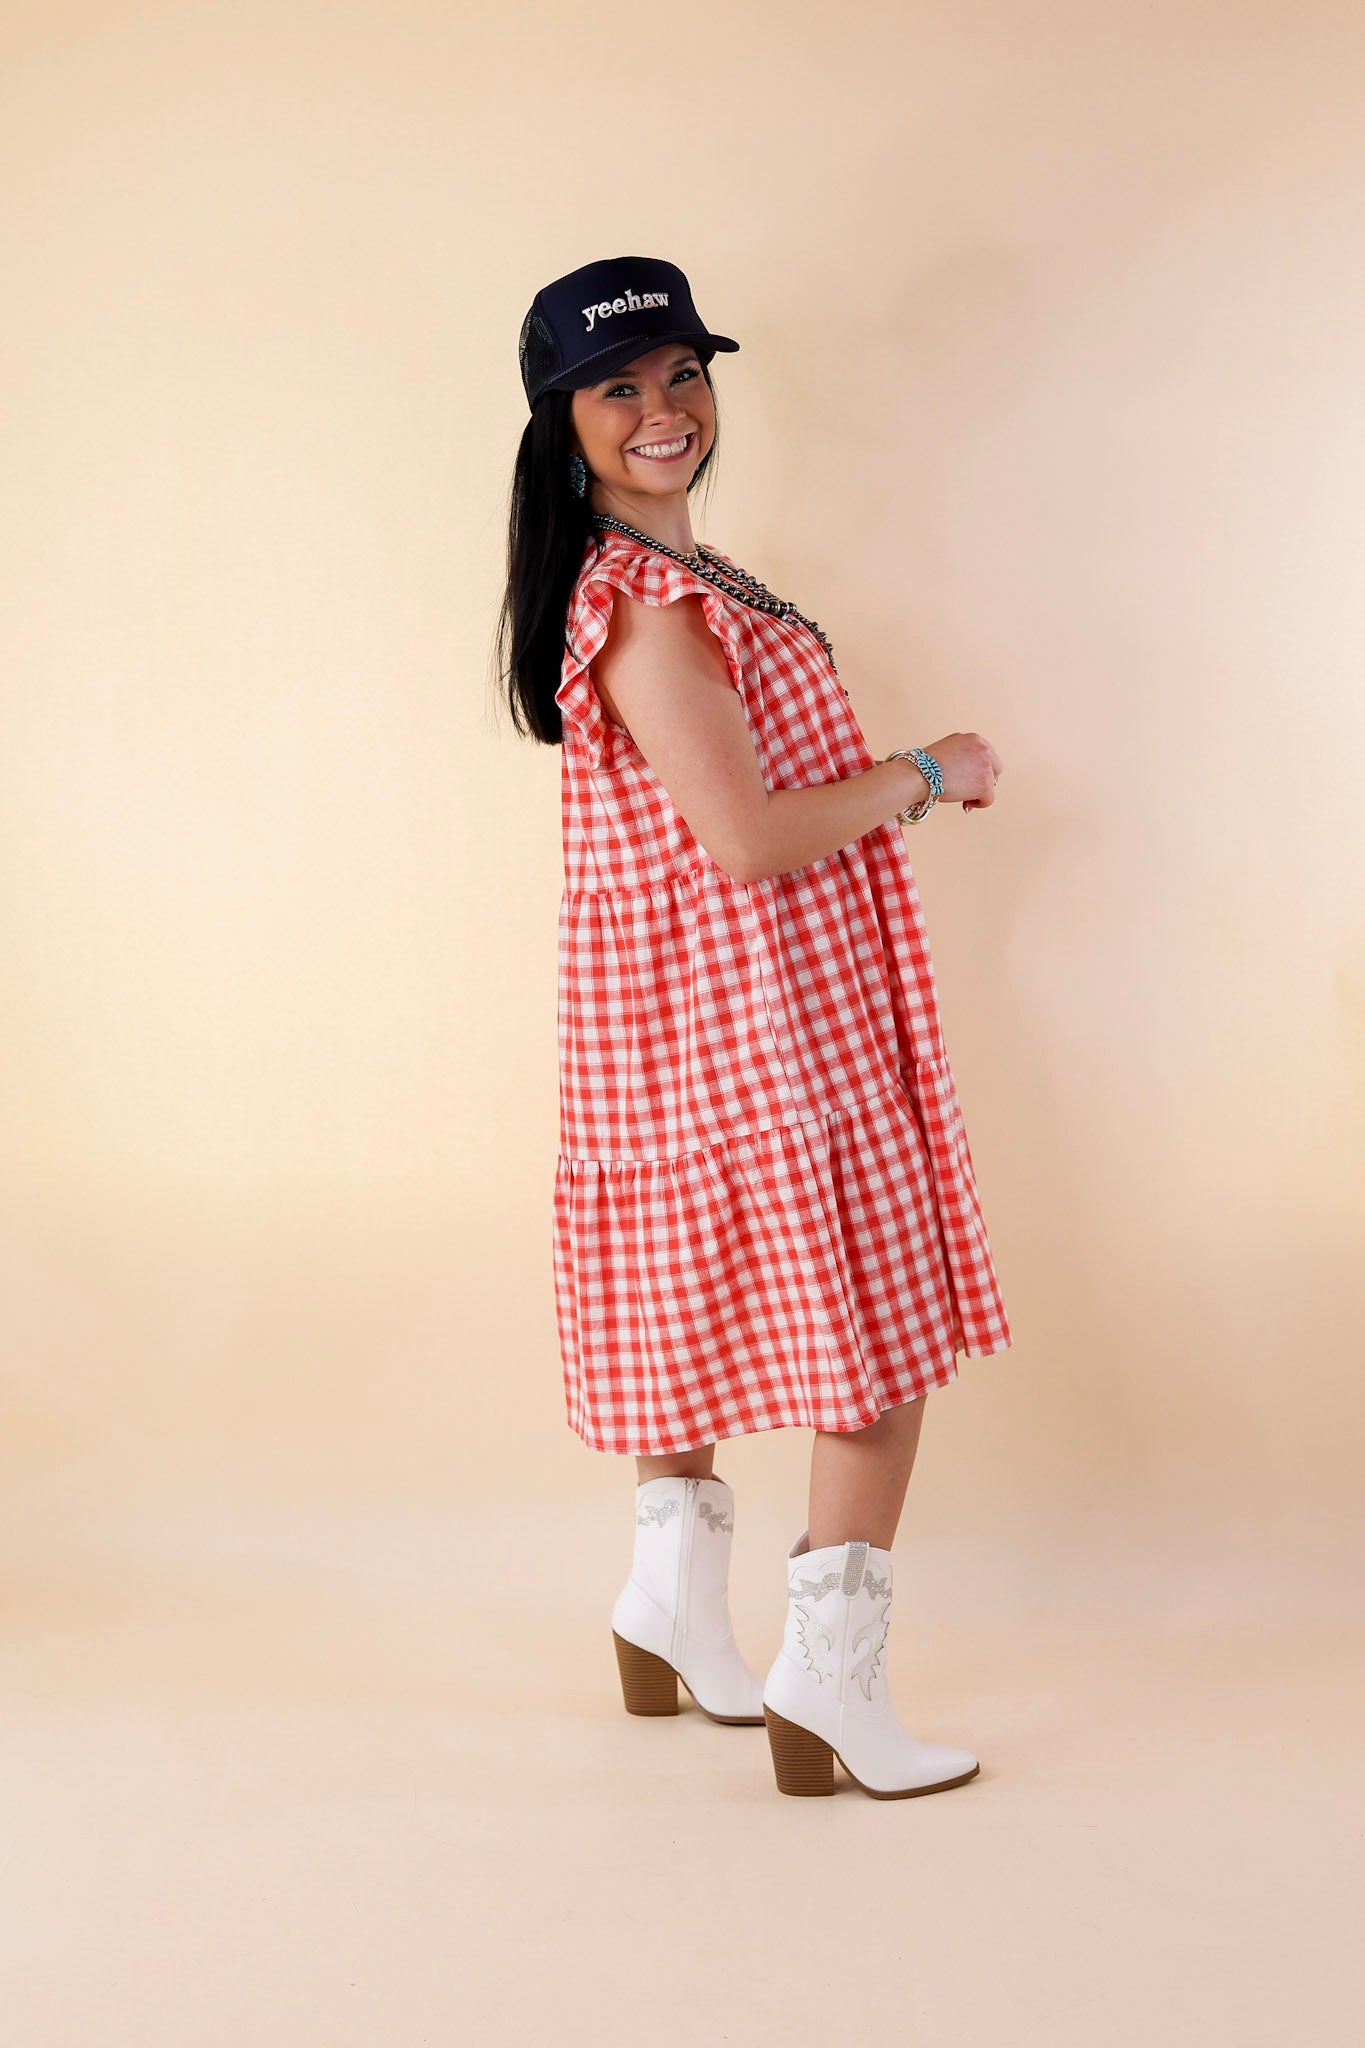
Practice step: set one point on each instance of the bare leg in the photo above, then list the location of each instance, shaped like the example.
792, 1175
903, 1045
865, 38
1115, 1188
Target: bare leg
858, 1478
677, 1464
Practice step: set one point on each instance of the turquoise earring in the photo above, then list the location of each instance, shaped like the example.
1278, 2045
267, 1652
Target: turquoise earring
578, 476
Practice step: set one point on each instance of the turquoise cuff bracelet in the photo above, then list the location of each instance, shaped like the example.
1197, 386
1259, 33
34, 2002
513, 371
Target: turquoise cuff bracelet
932, 774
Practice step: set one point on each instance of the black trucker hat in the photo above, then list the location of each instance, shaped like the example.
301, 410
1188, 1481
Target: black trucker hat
594, 320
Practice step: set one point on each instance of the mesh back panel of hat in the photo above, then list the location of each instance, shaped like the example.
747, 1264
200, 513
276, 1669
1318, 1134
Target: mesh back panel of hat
538, 351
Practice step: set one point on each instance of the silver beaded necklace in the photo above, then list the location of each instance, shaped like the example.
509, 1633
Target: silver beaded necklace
727, 577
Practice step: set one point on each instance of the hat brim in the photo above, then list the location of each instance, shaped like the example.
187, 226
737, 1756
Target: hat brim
622, 352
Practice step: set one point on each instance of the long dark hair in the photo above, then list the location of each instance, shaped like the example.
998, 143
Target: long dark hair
548, 529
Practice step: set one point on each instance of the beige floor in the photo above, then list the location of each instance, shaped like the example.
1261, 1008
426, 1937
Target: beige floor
318, 1779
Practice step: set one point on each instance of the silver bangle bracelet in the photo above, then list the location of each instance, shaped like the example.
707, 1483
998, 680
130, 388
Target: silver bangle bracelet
933, 775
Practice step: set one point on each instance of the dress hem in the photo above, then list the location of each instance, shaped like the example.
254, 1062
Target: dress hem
720, 1436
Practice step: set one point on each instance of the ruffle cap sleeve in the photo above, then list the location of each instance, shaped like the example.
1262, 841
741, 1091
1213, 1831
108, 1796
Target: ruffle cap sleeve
653, 579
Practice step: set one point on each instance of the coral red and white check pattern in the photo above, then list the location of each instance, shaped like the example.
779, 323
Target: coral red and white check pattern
765, 1212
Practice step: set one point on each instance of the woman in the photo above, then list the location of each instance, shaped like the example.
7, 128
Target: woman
765, 1214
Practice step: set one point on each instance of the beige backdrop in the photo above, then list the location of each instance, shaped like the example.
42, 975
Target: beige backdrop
1048, 408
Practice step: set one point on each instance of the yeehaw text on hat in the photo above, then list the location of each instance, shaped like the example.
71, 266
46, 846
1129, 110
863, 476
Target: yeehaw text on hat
633, 302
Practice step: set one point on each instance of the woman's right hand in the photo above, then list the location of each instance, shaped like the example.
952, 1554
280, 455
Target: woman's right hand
970, 767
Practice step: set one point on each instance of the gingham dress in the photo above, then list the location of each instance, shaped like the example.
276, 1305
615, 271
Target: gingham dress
765, 1211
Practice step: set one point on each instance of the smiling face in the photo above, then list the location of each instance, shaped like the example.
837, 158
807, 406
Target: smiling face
643, 430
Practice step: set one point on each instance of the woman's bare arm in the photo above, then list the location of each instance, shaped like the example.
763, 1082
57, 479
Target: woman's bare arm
663, 675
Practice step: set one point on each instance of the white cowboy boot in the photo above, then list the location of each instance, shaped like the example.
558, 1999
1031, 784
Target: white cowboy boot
672, 1617
825, 1693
